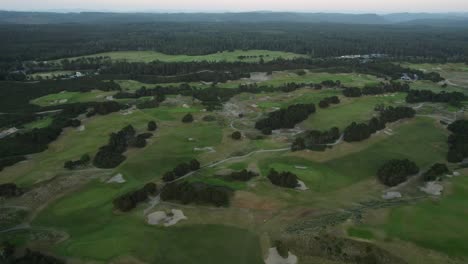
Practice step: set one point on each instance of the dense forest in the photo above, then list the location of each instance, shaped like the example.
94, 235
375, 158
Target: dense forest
39, 42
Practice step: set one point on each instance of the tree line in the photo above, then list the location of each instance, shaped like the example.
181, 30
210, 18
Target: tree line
284, 179
458, 141
315, 140
128, 201
196, 192
181, 170
361, 131
285, 118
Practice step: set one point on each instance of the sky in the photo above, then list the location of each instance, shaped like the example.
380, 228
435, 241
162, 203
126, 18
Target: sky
345, 6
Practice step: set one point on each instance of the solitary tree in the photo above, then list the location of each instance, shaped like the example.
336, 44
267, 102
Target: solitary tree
188, 118
152, 126
236, 135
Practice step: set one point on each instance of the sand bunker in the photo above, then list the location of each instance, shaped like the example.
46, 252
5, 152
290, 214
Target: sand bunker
81, 128
391, 195
300, 167
117, 179
432, 188
275, 258
8, 132
302, 186
207, 149
161, 218
110, 98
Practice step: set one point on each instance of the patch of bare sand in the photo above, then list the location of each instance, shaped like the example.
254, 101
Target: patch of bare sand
275, 258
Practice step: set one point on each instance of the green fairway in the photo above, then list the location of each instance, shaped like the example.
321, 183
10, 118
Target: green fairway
435, 224
97, 234
71, 97
228, 56
351, 168
350, 110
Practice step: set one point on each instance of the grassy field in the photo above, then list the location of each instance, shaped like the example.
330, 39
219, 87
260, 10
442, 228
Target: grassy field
282, 77
357, 109
71, 97
456, 74
347, 168
104, 236
149, 56
437, 224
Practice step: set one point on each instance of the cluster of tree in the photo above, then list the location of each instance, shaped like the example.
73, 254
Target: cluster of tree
10, 190
75, 164
435, 171
326, 102
105, 108
196, 192
181, 170
37, 139
396, 171
130, 200
39, 42
416, 96
315, 140
243, 175
111, 155
10, 255
9, 161
382, 88
16, 96
362, 131
284, 179
285, 118
458, 141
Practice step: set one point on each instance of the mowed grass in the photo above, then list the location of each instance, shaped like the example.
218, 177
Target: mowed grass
282, 77
435, 224
71, 97
420, 140
228, 56
350, 110
72, 143
96, 233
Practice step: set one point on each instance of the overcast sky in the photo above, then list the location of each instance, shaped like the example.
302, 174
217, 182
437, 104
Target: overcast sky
348, 6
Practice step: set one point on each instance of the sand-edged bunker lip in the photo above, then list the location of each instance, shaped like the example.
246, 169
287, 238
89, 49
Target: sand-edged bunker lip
118, 178
165, 219
275, 258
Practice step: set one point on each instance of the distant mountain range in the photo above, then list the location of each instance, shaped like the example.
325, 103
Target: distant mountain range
433, 19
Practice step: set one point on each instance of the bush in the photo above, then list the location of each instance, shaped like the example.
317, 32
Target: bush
283, 179
209, 118
395, 172
152, 126
83, 161
181, 170
236, 135
8, 190
188, 118
435, 171
243, 175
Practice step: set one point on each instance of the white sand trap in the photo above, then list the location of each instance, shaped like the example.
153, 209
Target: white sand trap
207, 149
300, 167
110, 98
185, 106
302, 186
391, 195
161, 218
254, 105
432, 188
8, 132
117, 179
456, 173
275, 258
81, 128
62, 101
190, 139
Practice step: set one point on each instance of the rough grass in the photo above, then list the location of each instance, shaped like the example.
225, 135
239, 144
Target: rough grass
360, 233
434, 224
149, 56
71, 97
